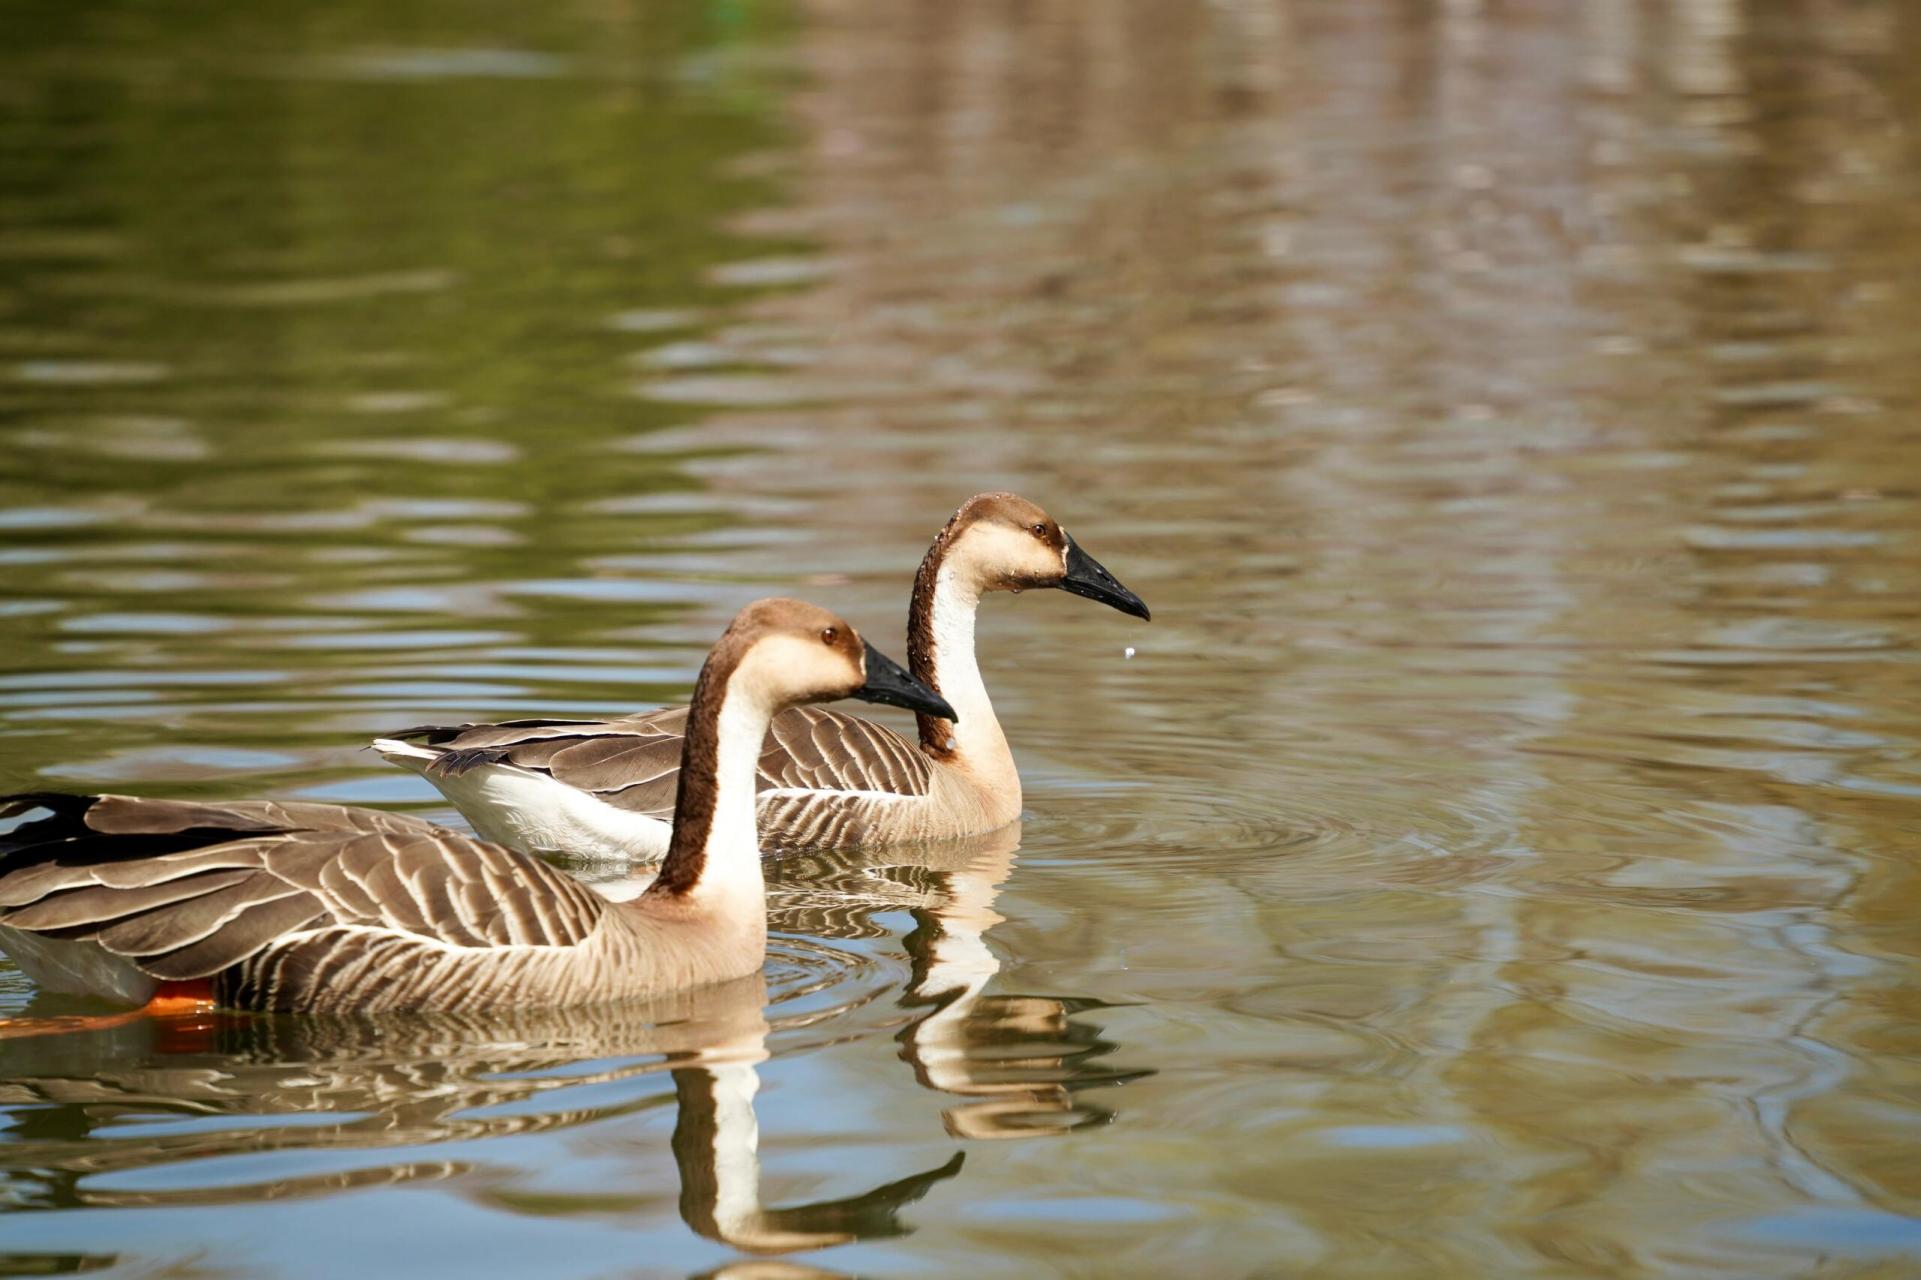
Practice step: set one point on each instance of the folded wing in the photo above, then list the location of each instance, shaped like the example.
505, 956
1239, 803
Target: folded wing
634, 763
185, 890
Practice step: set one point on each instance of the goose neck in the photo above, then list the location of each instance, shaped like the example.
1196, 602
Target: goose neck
941, 654
714, 853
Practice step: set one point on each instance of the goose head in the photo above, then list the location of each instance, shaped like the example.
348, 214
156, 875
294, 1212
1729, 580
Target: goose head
1003, 542
775, 654
786, 653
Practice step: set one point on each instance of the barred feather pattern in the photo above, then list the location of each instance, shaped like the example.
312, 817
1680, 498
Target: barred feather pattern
633, 763
826, 779
322, 907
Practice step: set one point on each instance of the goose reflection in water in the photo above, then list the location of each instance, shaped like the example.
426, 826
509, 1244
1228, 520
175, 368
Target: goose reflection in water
1025, 1058
372, 1083
411, 1081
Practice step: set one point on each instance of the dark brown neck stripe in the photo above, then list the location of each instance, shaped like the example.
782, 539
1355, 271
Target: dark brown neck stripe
921, 658
698, 788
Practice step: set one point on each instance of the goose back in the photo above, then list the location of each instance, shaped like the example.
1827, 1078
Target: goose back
306, 906
812, 758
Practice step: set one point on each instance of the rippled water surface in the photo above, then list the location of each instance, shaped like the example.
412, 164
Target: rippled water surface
1496, 858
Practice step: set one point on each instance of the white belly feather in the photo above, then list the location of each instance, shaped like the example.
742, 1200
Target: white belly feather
530, 811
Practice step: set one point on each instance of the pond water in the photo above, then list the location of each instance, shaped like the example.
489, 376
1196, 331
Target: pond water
1498, 857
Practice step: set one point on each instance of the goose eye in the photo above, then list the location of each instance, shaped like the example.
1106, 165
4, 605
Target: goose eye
1040, 530
829, 634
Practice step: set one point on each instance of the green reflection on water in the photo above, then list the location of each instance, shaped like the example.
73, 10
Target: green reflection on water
318, 322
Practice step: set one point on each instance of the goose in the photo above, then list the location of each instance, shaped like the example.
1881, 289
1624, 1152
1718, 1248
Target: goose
604, 790
260, 905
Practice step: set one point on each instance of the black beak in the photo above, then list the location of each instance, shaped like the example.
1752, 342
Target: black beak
888, 682
1085, 577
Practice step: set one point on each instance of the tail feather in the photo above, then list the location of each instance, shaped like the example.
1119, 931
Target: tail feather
66, 819
61, 802
405, 754
448, 762
429, 733
435, 734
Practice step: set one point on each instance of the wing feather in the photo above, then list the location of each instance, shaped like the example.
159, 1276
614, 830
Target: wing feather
76, 864
80, 907
631, 770
634, 763
245, 933
190, 920
812, 748
249, 884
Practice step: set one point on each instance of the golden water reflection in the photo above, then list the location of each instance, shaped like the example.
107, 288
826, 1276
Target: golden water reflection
1508, 817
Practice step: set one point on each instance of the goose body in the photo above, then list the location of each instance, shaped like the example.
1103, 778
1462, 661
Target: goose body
605, 788
322, 907
261, 905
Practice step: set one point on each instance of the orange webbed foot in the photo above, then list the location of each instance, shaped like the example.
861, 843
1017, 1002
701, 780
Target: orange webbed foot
173, 1002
